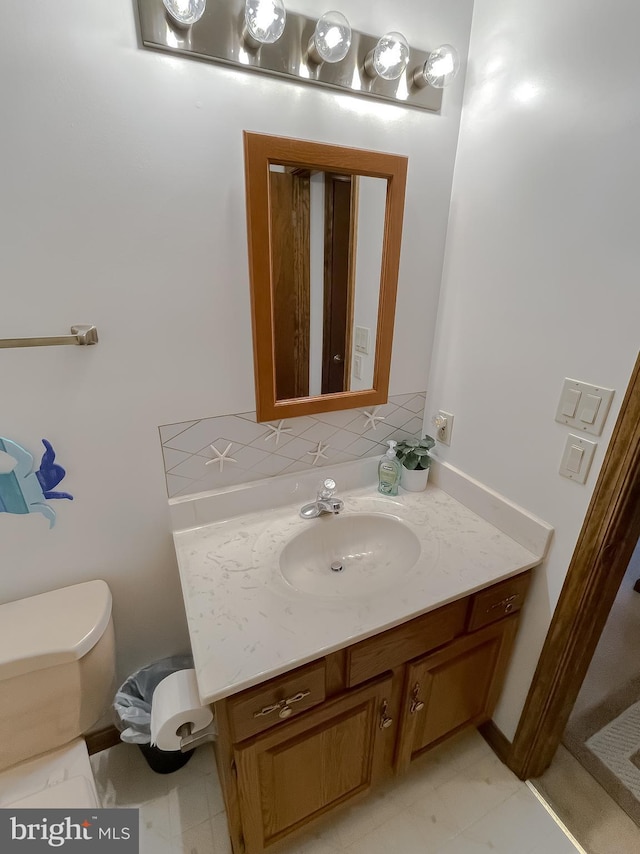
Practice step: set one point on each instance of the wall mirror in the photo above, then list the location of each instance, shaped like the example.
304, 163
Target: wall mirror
324, 229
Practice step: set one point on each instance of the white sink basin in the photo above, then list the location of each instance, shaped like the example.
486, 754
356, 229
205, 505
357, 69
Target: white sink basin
374, 551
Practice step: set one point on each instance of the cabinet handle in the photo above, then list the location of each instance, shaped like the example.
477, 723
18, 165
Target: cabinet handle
282, 706
505, 604
417, 704
385, 720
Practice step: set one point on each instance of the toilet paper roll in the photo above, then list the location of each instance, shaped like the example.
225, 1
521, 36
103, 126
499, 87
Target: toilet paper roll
176, 702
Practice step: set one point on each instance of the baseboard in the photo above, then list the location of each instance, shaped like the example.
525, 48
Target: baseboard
102, 739
497, 741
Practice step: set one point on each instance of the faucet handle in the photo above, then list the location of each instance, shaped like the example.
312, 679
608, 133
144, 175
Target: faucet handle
327, 489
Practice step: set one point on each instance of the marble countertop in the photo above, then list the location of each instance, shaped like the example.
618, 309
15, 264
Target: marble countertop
248, 624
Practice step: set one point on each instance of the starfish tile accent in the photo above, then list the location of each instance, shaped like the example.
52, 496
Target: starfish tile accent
319, 453
277, 431
371, 418
221, 457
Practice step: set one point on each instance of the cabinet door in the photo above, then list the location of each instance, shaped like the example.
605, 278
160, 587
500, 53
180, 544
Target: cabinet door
453, 688
309, 765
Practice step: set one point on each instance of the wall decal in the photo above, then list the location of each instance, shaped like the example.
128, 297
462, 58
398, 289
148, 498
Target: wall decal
371, 416
21, 489
221, 457
319, 453
277, 431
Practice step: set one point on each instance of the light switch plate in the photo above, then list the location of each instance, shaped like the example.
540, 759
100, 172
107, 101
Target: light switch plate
577, 458
584, 407
362, 340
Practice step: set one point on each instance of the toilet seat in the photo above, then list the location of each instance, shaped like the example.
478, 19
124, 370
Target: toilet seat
61, 779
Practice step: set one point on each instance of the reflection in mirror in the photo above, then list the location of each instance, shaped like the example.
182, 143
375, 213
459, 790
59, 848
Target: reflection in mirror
326, 253
324, 228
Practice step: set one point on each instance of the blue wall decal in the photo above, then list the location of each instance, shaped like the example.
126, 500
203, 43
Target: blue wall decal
24, 491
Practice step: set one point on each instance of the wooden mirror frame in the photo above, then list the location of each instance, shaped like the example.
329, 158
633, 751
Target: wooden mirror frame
260, 151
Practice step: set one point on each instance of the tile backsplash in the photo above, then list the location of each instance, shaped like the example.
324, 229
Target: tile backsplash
230, 449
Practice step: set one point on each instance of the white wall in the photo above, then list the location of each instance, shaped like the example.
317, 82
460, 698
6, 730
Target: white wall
542, 261
372, 199
122, 204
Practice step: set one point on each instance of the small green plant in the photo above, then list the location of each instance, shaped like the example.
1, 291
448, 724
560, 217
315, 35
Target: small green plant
414, 453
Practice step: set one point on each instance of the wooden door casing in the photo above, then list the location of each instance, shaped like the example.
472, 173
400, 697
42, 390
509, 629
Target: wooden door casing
290, 235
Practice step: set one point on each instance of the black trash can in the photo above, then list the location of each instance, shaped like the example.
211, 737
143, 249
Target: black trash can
132, 707
165, 761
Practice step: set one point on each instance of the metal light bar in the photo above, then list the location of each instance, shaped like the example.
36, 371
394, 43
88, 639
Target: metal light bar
217, 37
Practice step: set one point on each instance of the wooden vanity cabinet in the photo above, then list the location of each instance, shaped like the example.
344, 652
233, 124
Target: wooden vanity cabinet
291, 775
311, 739
455, 687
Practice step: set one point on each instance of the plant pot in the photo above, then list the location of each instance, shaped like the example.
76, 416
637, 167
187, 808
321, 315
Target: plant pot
414, 480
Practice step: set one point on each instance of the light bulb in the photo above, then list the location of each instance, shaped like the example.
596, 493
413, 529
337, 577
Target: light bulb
439, 69
331, 39
184, 13
389, 57
264, 21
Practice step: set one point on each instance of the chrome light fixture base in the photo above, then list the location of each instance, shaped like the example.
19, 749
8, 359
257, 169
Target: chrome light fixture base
217, 37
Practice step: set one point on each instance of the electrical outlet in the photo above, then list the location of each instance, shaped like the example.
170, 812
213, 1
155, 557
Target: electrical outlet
357, 367
443, 422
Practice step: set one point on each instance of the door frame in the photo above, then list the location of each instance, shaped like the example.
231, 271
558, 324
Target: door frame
609, 534
332, 290
290, 200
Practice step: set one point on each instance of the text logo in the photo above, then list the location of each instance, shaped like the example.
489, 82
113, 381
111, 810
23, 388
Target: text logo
104, 831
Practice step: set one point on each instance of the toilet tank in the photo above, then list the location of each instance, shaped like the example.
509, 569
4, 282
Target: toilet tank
57, 668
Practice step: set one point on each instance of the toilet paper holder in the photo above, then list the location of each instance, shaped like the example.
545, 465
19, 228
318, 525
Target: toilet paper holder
189, 739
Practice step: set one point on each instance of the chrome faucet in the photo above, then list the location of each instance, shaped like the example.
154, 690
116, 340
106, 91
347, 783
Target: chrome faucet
326, 501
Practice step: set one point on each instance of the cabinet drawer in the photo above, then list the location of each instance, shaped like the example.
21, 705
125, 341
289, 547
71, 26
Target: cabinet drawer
498, 601
256, 709
396, 646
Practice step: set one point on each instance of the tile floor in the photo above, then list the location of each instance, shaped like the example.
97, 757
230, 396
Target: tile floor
458, 799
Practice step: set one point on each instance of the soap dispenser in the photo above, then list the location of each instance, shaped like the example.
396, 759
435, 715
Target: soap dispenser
389, 471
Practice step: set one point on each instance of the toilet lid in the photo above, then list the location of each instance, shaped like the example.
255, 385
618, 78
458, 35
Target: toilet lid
52, 628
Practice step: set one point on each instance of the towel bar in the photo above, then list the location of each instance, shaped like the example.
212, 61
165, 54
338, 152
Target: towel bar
82, 334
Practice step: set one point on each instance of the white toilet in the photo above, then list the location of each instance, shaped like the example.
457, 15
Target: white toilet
57, 672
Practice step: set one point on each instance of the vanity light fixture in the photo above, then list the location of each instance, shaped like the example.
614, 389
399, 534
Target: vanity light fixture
439, 70
389, 58
331, 39
250, 35
185, 13
264, 22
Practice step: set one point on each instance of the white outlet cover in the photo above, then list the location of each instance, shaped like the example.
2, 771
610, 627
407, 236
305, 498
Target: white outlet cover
583, 406
357, 367
446, 439
580, 451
